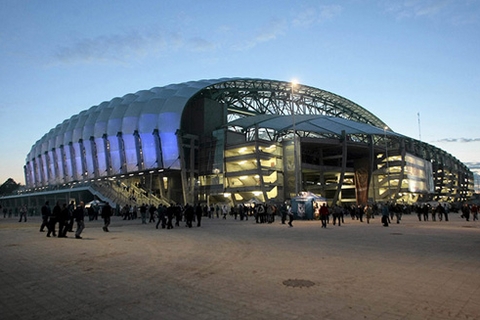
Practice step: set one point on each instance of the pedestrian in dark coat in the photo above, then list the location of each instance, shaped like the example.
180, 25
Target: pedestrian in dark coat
63, 221
52, 220
106, 216
466, 212
151, 211
189, 215
385, 215
70, 221
178, 215
283, 211
324, 215
170, 215
79, 216
46, 212
198, 214
161, 212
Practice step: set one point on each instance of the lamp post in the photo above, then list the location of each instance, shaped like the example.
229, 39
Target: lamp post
386, 159
293, 83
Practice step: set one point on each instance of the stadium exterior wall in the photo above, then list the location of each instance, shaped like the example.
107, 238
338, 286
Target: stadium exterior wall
184, 141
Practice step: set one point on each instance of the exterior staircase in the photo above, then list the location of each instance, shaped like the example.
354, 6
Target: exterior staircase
117, 193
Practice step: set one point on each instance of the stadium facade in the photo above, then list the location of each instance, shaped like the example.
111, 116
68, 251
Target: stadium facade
235, 140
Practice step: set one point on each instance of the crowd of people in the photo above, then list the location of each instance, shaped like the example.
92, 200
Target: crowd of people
392, 212
165, 215
62, 218
67, 215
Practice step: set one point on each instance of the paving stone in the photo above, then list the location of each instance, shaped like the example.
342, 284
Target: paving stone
232, 269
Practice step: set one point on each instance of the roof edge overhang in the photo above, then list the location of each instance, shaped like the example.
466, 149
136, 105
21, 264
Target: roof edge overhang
313, 123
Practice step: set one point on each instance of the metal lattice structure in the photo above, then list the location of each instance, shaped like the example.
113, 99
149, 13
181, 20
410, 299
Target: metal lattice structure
248, 97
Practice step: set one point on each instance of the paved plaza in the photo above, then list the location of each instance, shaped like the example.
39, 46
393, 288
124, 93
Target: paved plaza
231, 269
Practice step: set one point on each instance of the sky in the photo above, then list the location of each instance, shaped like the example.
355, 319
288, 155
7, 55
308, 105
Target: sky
413, 63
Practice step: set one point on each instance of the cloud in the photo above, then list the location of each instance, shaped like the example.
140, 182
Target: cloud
125, 46
456, 12
271, 31
416, 8
110, 47
312, 15
430, 8
200, 44
458, 140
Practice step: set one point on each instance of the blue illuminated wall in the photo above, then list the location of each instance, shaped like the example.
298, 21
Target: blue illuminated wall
129, 134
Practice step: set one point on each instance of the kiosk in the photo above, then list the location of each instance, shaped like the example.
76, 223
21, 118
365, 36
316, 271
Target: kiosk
303, 205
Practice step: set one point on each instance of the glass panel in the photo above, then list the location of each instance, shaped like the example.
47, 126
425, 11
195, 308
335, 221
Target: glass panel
101, 157
130, 152
149, 150
115, 154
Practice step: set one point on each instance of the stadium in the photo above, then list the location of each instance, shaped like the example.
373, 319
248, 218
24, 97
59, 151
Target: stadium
235, 140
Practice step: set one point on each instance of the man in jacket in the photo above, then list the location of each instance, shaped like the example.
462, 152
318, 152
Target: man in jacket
79, 216
46, 212
52, 221
106, 214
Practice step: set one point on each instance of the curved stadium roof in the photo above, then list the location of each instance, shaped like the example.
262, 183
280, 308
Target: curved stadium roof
161, 108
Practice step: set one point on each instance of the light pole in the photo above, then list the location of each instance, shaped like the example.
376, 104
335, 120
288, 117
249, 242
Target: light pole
293, 83
386, 159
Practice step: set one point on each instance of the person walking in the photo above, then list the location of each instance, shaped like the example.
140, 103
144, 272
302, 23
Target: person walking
198, 214
440, 212
52, 221
359, 212
170, 213
79, 216
466, 212
324, 215
419, 212
63, 222
143, 213
368, 212
151, 211
474, 211
23, 213
71, 208
398, 214
290, 216
445, 211
178, 215
337, 211
385, 214
189, 215
106, 216
45, 214
426, 209
161, 212
224, 211
434, 214
283, 212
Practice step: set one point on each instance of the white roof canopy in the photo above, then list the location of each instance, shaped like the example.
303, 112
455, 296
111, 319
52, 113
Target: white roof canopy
313, 123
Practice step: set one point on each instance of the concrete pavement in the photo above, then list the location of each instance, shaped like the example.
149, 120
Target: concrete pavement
231, 269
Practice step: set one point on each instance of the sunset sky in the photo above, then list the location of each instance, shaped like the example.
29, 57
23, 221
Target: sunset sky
414, 63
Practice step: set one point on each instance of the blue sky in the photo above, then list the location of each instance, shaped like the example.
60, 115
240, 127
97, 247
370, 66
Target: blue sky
398, 59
